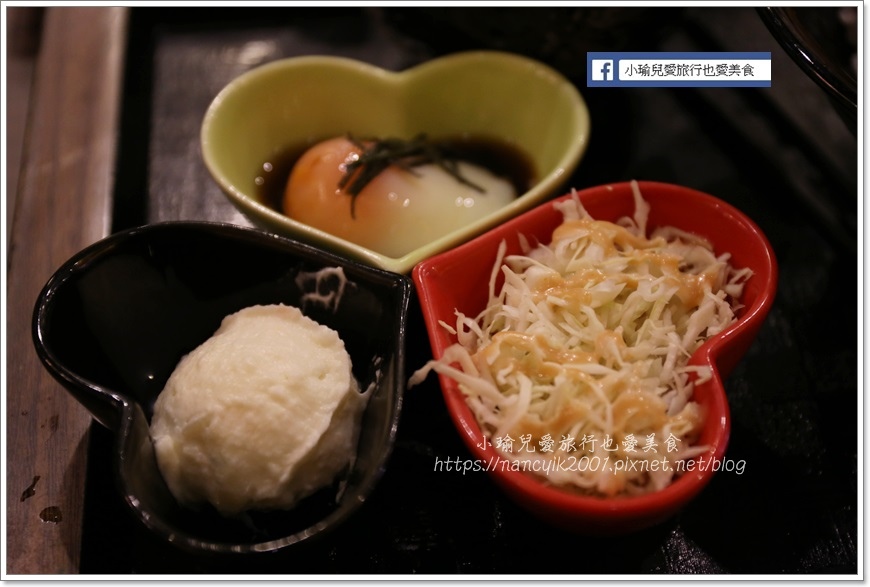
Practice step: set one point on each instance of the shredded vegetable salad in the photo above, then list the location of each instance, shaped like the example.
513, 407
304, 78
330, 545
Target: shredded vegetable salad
583, 351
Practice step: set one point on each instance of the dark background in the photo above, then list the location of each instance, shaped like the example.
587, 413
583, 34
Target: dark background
781, 154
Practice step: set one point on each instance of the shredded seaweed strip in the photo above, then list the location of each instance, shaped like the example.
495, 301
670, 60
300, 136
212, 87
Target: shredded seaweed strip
378, 154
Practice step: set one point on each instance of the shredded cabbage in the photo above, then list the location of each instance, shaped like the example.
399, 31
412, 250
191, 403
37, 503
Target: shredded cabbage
583, 351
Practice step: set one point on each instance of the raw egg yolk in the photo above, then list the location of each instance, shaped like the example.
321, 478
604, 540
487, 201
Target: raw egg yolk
399, 210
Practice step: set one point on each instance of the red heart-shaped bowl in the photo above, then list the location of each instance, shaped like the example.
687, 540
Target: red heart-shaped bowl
457, 280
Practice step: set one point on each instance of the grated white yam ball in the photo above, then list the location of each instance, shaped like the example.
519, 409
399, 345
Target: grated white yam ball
259, 416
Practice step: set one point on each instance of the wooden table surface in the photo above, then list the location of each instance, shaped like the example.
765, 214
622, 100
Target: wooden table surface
788, 400
63, 203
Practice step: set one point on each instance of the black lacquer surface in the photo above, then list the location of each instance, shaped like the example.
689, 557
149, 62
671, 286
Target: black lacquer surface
780, 154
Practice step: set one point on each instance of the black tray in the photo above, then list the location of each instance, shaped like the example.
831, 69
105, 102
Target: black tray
771, 152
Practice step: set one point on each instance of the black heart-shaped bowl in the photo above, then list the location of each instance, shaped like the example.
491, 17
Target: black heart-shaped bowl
114, 321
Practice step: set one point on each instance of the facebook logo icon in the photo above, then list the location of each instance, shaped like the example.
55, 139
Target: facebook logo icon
601, 70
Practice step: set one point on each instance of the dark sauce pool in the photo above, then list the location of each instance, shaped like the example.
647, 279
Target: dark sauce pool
499, 157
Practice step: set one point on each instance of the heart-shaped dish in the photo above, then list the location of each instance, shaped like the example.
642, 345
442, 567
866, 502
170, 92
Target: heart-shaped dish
114, 321
458, 281
299, 101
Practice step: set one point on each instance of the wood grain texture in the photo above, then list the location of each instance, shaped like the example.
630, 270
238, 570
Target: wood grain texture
23, 33
63, 204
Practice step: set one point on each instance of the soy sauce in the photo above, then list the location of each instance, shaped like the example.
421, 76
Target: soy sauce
499, 157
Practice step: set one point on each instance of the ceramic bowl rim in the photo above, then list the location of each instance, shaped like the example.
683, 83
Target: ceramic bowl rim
403, 264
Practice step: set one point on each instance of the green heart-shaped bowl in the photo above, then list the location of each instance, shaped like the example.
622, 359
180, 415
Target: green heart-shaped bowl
303, 100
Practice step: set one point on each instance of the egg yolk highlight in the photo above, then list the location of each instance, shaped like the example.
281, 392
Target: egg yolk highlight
399, 210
